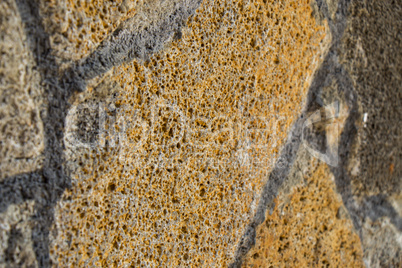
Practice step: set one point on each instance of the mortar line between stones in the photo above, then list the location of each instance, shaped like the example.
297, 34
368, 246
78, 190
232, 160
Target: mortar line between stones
373, 206
51, 180
280, 172
46, 186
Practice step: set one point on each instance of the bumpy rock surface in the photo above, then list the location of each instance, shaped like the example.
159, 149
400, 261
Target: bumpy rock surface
307, 226
186, 133
21, 136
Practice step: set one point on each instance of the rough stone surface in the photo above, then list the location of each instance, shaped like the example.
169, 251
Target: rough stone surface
200, 140
371, 55
76, 28
307, 226
15, 234
176, 133
374, 213
21, 128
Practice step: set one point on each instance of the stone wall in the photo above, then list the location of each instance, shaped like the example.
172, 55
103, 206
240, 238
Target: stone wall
186, 133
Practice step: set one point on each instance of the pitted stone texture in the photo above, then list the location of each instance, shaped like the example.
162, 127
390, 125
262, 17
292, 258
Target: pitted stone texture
309, 225
371, 51
21, 127
154, 26
76, 28
206, 120
372, 46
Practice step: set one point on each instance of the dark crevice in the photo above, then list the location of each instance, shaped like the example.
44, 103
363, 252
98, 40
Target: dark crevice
372, 207
14, 237
46, 185
378, 206
284, 163
131, 42
21, 188
276, 179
